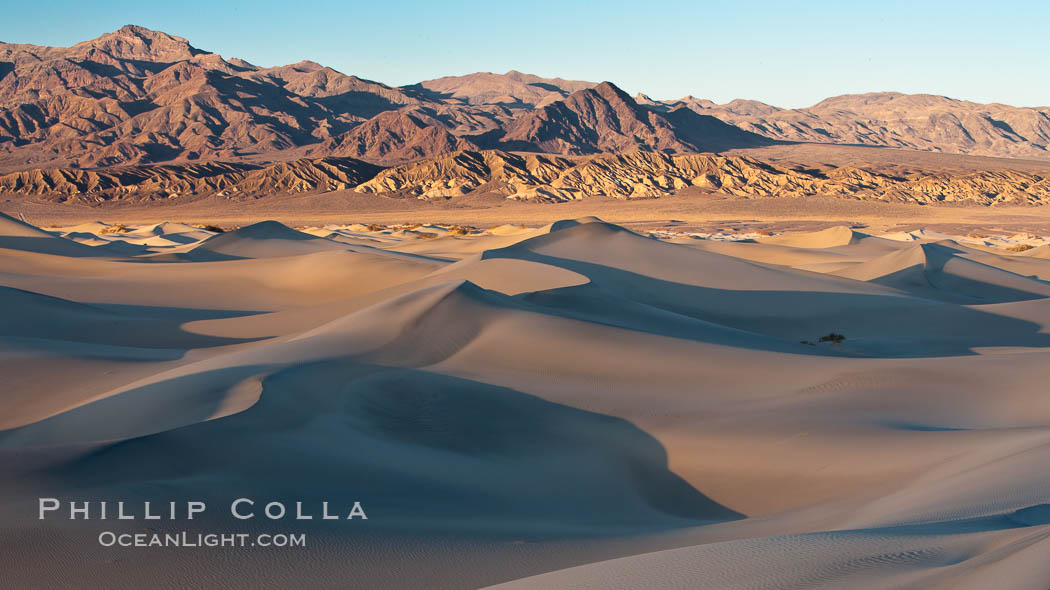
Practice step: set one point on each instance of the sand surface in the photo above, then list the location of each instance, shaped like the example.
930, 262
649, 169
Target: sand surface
557, 404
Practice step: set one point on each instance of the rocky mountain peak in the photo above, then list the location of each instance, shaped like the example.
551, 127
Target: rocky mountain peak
140, 43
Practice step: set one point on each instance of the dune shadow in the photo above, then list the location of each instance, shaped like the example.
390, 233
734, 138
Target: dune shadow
55, 245
875, 325
183, 257
918, 281
28, 314
419, 449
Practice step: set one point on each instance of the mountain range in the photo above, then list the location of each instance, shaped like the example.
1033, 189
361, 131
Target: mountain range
891, 119
138, 96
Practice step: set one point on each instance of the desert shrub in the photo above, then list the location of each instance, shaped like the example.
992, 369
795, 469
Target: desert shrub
213, 228
833, 338
374, 227
114, 229
459, 230
763, 232
1018, 248
426, 235
807, 342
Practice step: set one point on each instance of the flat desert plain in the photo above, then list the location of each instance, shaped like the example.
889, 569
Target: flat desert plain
841, 398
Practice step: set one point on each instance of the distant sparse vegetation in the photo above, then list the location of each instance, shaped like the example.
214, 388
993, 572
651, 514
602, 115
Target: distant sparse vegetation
373, 227
833, 338
1019, 248
764, 232
499, 225
213, 228
426, 235
459, 230
114, 229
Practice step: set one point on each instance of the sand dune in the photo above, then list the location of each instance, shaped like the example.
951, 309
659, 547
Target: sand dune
827, 238
581, 405
18, 235
939, 271
263, 240
1038, 252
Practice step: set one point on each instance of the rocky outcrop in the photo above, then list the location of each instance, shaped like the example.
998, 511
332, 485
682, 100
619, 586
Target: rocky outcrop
606, 119
511, 89
172, 181
651, 175
464, 172
395, 137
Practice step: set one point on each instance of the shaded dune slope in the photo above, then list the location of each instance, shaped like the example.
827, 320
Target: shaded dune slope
939, 271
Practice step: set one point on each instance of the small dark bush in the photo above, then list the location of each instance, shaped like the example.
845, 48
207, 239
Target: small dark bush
114, 229
833, 338
1019, 248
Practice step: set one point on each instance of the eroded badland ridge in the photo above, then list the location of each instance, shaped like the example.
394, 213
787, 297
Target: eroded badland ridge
531, 177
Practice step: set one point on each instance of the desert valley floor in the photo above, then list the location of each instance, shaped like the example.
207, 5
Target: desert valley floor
570, 405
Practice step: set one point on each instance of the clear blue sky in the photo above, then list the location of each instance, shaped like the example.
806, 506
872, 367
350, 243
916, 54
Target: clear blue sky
789, 54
